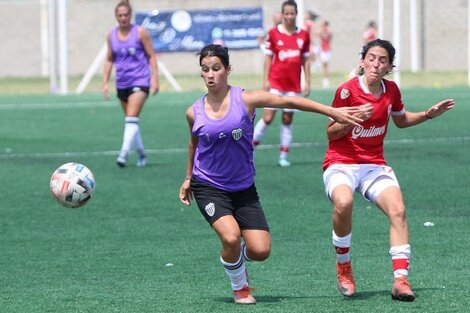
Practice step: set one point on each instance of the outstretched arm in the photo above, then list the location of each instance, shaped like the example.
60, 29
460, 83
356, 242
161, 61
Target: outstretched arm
335, 131
414, 118
259, 99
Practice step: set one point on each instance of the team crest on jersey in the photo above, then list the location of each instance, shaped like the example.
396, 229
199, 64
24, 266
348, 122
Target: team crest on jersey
344, 93
280, 43
237, 133
300, 42
210, 209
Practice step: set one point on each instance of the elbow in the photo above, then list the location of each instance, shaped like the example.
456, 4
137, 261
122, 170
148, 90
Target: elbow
401, 125
332, 137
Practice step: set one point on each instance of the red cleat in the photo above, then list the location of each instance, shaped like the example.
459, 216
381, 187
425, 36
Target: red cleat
346, 283
401, 290
243, 296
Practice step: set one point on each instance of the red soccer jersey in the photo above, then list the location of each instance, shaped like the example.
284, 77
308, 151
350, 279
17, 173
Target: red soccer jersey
287, 50
364, 145
325, 39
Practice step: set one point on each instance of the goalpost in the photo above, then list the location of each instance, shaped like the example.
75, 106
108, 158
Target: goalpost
49, 45
49, 31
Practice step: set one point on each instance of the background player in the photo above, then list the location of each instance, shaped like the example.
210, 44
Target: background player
130, 49
325, 52
287, 52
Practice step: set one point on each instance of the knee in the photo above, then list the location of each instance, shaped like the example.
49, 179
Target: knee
259, 253
343, 207
397, 214
231, 241
286, 120
267, 121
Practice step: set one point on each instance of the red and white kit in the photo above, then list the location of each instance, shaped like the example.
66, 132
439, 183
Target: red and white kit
288, 51
367, 139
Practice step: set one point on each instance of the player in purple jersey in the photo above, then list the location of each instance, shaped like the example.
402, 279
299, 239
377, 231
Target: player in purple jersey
130, 49
220, 170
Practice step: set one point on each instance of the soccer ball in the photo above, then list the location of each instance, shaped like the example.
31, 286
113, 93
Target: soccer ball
72, 185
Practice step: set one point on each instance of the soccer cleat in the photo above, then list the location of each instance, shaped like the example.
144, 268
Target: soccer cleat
142, 161
346, 283
401, 290
243, 296
283, 162
121, 161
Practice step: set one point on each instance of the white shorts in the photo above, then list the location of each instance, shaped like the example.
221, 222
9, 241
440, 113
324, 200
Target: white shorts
325, 56
284, 93
368, 179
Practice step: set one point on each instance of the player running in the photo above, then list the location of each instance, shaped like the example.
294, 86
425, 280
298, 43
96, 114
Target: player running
354, 162
220, 171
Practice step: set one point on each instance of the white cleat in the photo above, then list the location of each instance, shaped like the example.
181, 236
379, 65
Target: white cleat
284, 163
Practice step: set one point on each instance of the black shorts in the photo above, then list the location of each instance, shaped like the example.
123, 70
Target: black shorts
243, 205
123, 94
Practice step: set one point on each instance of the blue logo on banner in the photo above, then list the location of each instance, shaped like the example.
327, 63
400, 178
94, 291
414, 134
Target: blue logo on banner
173, 31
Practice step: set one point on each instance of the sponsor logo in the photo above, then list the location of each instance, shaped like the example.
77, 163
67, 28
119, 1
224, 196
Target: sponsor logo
222, 135
287, 54
210, 209
280, 43
131, 50
344, 93
373, 131
136, 89
237, 133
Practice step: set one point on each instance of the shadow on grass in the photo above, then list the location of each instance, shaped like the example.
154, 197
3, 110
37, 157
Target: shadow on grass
265, 299
364, 295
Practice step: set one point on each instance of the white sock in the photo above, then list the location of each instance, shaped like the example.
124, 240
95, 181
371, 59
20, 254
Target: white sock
131, 127
286, 140
401, 256
260, 130
243, 252
236, 273
342, 245
139, 144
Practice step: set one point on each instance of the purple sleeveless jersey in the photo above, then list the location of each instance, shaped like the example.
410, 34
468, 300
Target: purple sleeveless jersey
224, 153
132, 68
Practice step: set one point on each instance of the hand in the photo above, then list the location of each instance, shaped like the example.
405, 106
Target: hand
365, 112
353, 115
439, 108
266, 86
154, 87
306, 91
105, 91
185, 192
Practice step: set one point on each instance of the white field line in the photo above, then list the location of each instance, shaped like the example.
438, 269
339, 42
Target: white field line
114, 103
55, 106
8, 155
